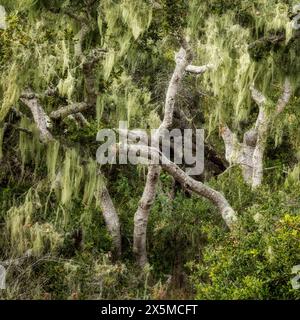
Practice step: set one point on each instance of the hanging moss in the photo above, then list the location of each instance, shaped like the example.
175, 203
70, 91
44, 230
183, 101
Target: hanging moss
26, 234
99, 109
92, 182
124, 22
66, 86
71, 176
241, 57
29, 144
137, 15
108, 64
9, 83
52, 159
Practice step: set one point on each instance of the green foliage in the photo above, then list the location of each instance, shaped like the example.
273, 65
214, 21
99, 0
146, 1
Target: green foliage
254, 262
50, 216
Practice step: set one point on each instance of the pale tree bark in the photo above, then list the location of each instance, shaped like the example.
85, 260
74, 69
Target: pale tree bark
78, 119
148, 197
79, 38
249, 154
142, 214
153, 154
182, 59
65, 111
41, 119
111, 220
198, 69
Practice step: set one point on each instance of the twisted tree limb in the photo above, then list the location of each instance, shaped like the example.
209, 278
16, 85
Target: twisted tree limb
79, 117
153, 154
273, 39
79, 38
285, 97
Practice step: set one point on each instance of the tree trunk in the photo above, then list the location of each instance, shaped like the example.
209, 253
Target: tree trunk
182, 58
250, 153
141, 216
112, 221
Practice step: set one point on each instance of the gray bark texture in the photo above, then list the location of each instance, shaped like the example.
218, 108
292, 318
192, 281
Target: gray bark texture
250, 153
112, 221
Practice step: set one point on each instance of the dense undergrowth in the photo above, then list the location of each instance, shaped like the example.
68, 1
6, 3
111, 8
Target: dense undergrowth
200, 258
53, 237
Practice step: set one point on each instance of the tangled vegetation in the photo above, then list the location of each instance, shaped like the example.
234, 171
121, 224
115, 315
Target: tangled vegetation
72, 229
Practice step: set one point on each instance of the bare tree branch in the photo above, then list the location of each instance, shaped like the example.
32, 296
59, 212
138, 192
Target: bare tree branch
79, 38
81, 119
188, 182
64, 111
285, 97
198, 69
257, 96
